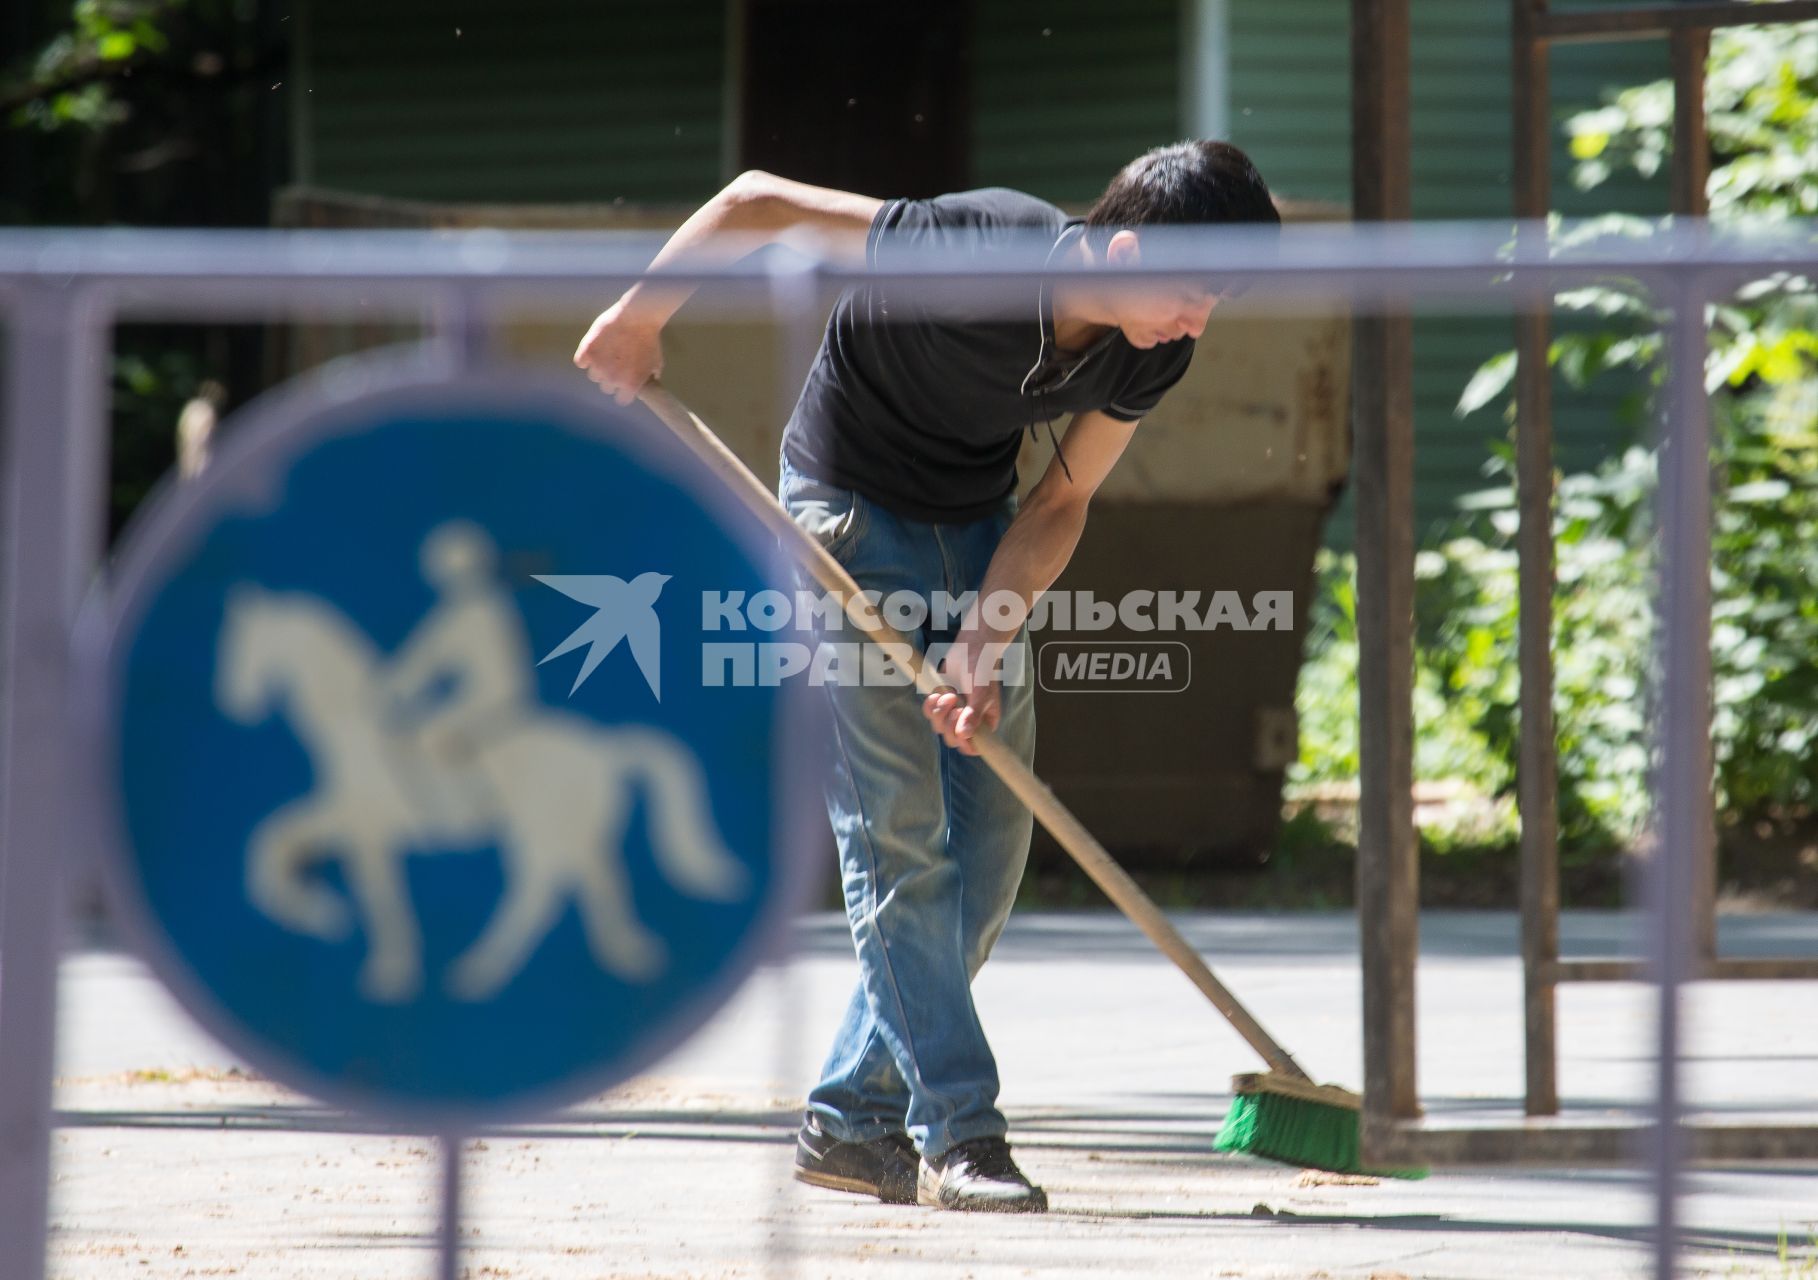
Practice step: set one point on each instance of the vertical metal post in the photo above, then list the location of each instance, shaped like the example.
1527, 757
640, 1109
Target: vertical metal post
448, 1260
1388, 870
1691, 171
1205, 68
779, 1245
462, 334
799, 306
732, 90
1682, 788
1690, 177
462, 329
55, 454
1537, 775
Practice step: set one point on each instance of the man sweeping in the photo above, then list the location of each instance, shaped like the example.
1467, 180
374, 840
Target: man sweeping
900, 457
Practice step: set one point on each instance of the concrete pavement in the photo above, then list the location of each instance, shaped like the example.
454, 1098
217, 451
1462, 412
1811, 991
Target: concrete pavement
173, 1162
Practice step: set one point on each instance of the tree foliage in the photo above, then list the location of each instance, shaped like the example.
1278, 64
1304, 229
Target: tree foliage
149, 113
1761, 104
76, 79
1763, 372
1761, 113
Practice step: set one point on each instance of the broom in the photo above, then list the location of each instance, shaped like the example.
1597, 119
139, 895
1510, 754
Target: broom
1279, 1114
1314, 1126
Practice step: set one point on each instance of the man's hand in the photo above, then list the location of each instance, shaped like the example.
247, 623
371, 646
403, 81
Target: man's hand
621, 352
972, 667
1034, 550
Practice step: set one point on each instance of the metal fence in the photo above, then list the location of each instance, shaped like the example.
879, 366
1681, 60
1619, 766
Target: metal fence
62, 291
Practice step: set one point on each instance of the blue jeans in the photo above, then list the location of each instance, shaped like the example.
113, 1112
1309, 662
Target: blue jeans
931, 846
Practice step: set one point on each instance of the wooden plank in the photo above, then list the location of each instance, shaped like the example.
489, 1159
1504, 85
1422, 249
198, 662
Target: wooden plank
1723, 969
1285, 1086
1387, 870
1573, 1142
1538, 798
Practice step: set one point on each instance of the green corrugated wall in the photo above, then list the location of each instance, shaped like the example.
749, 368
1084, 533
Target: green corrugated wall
1064, 92
558, 100
1290, 107
552, 100
535, 101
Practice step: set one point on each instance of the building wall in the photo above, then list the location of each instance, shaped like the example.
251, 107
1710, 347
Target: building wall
549, 101
1066, 91
1227, 486
535, 101
1224, 488
1290, 106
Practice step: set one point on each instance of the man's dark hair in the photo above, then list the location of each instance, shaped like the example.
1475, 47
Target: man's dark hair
1200, 181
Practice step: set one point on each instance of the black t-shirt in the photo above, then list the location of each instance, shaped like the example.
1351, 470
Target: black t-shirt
925, 415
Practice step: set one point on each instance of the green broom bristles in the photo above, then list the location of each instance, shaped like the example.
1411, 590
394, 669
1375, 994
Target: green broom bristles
1308, 1126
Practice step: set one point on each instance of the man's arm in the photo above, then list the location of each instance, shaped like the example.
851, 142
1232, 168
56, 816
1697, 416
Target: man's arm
1034, 550
622, 350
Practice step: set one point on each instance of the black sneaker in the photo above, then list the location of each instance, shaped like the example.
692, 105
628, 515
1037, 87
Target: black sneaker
884, 1167
979, 1175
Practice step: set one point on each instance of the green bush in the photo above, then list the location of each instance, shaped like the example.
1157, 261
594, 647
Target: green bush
1764, 636
1762, 103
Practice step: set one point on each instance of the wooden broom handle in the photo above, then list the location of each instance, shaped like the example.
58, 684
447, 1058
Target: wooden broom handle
1031, 790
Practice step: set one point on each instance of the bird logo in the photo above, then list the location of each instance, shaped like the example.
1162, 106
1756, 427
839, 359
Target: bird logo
622, 611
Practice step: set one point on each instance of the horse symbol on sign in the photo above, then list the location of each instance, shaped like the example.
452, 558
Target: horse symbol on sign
444, 746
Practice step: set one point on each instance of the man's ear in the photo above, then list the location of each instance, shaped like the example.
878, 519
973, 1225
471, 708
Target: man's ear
1123, 250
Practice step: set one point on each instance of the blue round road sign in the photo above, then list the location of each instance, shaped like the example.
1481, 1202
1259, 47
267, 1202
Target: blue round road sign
409, 771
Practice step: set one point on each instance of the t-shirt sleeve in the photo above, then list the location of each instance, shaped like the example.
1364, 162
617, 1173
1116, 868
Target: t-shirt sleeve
969, 229
1145, 390
968, 224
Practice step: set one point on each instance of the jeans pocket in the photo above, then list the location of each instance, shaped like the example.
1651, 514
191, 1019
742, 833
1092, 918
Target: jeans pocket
832, 516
